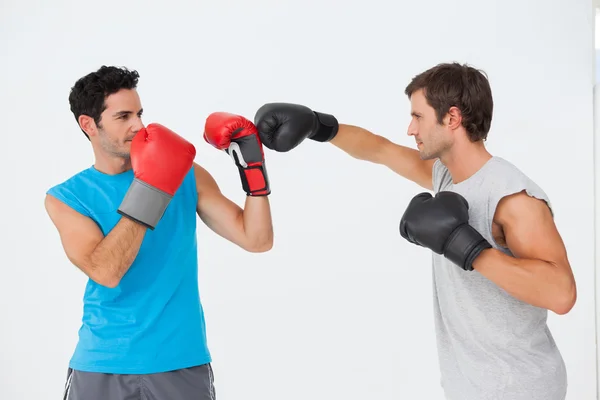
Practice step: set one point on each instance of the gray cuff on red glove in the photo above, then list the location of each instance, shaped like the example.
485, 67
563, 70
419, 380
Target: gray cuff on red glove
144, 204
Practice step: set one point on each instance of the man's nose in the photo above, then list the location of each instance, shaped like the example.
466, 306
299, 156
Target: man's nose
412, 129
137, 125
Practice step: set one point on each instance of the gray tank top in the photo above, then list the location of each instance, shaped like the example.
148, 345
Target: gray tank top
491, 345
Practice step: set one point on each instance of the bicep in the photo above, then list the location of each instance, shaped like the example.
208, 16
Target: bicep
218, 213
79, 234
407, 162
529, 229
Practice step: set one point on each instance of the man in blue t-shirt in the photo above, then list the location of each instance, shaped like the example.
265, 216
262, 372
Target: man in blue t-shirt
129, 223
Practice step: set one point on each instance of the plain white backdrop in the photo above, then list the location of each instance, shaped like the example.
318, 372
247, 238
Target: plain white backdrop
341, 308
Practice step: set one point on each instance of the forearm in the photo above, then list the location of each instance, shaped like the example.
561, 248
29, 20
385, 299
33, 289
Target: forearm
535, 282
257, 224
113, 256
359, 143
364, 145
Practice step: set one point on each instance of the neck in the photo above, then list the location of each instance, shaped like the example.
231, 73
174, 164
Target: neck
110, 164
465, 159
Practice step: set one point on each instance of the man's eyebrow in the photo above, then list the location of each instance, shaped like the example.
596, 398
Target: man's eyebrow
123, 113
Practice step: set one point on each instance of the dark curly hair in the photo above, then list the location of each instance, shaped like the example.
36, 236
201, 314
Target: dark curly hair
454, 85
88, 94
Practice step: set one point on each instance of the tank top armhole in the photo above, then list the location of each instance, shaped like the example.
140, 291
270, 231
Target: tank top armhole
67, 197
529, 190
191, 183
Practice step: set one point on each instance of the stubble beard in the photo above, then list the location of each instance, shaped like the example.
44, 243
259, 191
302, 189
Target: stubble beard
113, 148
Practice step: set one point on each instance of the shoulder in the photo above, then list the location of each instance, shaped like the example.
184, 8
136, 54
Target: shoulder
504, 172
521, 206
66, 210
70, 182
58, 205
203, 179
67, 192
508, 186
506, 169
519, 198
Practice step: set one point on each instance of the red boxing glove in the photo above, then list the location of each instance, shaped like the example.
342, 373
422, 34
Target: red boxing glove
160, 160
239, 138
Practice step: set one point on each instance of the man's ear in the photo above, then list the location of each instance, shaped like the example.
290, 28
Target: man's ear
88, 125
454, 118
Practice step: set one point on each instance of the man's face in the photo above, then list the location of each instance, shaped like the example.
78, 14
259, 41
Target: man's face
432, 138
120, 122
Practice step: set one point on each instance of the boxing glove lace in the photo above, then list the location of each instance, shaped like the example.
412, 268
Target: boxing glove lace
441, 223
283, 126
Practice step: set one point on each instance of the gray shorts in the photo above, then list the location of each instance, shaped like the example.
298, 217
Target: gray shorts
194, 383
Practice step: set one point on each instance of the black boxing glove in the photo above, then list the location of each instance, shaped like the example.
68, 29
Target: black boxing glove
441, 223
283, 126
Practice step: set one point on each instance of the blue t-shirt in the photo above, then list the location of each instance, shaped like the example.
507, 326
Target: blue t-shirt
153, 320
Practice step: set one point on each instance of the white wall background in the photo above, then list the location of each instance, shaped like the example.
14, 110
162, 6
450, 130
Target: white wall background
341, 308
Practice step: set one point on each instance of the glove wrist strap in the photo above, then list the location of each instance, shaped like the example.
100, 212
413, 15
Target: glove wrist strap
327, 127
255, 180
246, 152
464, 246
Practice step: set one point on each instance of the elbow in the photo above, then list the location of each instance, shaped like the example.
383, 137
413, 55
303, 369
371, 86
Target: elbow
111, 283
262, 246
97, 272
108, 281
565, 301
101, 274
104, 278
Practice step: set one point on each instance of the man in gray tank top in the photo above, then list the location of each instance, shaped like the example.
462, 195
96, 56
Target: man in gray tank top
499, 263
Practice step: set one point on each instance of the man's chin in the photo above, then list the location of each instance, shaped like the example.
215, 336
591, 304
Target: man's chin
125, 155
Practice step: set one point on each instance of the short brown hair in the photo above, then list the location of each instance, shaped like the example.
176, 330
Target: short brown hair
89, 93
454, 85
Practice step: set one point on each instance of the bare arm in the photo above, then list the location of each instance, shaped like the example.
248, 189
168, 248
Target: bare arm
540, 273
105, 260
251, 228
364, 145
